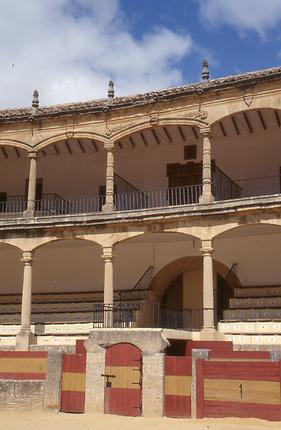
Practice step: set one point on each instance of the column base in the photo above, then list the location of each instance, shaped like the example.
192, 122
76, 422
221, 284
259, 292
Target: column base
210, 333
108, 208
24, 339
29, 213
206, 199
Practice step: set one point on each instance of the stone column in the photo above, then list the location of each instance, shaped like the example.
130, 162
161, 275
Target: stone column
31, 196
109, 181
206, 196
108, 286
208, 288
95, 368
25, 336
153, 384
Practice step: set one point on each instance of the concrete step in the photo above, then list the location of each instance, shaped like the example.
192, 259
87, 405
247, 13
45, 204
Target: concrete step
247, 292
252, 314
255, 302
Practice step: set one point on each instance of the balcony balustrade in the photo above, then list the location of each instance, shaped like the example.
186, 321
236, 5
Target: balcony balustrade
223, 188
146, 315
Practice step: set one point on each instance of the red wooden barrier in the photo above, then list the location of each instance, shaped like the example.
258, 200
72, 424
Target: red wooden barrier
207, 344
73, 383
178, 386
239, 389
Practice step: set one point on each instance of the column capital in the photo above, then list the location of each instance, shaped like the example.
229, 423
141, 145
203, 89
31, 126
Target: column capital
207, 247
32, 155
109, 146
27, 257
107, 253
205, 131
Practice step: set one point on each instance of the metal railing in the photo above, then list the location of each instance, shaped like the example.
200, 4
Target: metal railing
158, 198
53, 204
226, 189
146, 315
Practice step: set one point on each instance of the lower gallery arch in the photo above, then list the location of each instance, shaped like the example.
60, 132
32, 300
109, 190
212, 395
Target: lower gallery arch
179, 287
67, 281
123, 373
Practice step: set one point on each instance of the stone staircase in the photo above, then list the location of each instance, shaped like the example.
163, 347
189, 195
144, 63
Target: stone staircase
254, 316
254, 303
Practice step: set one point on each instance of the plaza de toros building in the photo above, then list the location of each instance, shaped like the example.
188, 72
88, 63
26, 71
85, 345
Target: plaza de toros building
152, 211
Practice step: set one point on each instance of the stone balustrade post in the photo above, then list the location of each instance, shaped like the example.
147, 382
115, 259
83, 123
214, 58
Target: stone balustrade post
109, 181
31, 195
206, 196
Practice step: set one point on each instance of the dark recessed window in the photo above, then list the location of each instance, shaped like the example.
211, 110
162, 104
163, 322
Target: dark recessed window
190, 152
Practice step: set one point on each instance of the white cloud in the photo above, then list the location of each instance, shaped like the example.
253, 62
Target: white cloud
244, 15
69, 49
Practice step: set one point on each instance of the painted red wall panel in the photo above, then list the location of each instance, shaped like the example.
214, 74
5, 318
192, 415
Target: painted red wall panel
213, 345
257, 371
215, 409
122, 354
79, 347
122, 401
228, 355
177, 406
23, 354
73, 401
75, 363
178, 366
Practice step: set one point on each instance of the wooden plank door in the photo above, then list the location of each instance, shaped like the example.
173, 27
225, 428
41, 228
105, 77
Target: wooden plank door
123, 380
178, 386
73, 383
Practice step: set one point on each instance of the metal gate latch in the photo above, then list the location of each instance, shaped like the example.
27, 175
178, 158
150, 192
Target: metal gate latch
241, 391
107, 382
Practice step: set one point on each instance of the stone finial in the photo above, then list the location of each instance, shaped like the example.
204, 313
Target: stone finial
110, 93
205, 70
35, 99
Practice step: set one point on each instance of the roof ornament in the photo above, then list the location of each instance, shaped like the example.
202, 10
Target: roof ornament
35, 99
205, 70
110, 93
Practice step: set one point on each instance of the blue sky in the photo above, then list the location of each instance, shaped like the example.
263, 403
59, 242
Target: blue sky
70, 49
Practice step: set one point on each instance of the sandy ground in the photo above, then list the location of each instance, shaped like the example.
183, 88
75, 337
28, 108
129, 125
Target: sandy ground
60, 421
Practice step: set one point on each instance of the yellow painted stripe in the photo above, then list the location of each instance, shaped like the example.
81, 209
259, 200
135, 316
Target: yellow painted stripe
266, 392
23, 365
124, 377
73, 381
178, 385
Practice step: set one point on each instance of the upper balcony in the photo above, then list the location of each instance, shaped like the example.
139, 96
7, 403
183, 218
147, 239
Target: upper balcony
149, 170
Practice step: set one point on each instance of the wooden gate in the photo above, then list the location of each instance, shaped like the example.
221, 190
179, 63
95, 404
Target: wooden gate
123, 380
73, 383
178, 386
238, 389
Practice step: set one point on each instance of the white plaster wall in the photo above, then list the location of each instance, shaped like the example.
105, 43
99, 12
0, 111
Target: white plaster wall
11, 270
13, 173
72, 175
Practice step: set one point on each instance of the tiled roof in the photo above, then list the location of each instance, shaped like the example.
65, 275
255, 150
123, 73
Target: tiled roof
103, 105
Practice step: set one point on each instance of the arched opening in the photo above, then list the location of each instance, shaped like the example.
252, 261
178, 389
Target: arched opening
246, 154
71, 177
179, 286
253, 253
172, 155
14, 171
10, 285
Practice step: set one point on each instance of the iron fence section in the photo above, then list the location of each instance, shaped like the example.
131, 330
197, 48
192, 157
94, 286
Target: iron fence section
146, 315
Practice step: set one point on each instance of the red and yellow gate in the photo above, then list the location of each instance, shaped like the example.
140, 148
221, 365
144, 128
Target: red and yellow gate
238, 389
73, 383
123, 380
178, 386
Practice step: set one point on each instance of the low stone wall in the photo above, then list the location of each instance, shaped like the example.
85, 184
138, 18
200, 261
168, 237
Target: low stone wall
30, 380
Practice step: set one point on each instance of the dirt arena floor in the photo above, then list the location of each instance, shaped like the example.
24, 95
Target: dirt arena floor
60, 421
